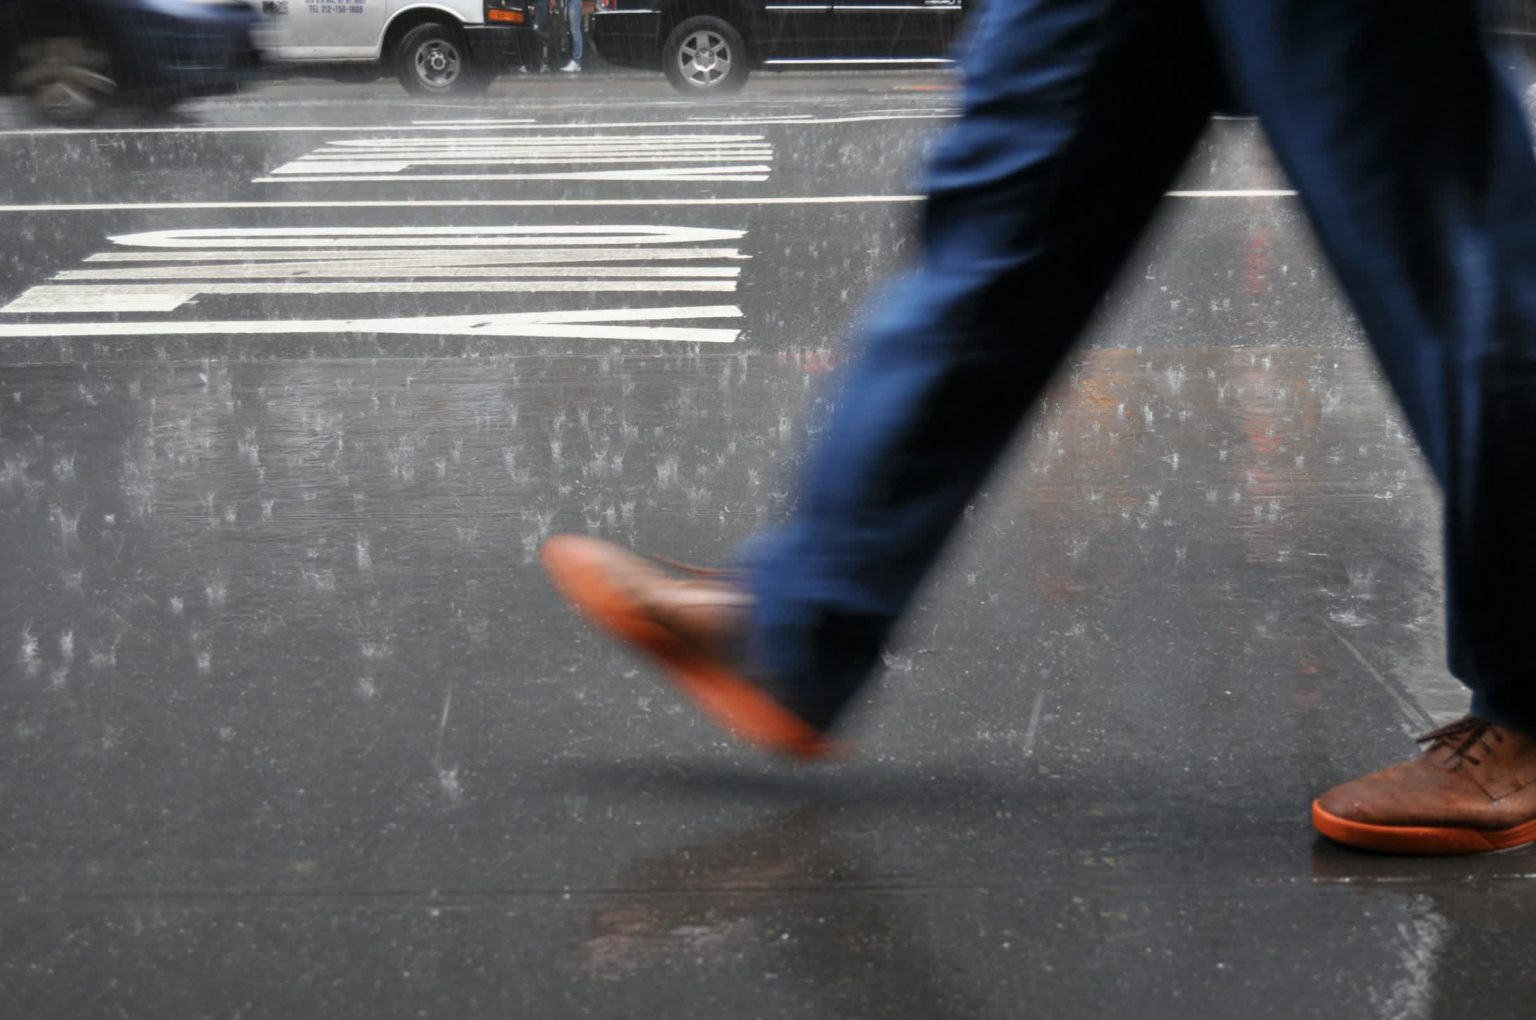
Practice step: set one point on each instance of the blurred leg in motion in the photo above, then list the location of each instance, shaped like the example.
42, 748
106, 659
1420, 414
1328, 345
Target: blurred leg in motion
1076, 116
1414, 160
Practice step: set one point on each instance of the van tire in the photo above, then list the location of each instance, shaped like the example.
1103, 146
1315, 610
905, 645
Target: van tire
694, 53
433, 60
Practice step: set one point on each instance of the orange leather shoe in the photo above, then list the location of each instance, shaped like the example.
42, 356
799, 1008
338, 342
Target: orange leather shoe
693, 622
1472, 790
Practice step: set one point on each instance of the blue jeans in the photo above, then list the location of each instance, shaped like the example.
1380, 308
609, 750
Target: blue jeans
541, 29
1414, 163
573, 13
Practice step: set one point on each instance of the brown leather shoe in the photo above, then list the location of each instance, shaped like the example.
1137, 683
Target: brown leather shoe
693, 622
1472, 790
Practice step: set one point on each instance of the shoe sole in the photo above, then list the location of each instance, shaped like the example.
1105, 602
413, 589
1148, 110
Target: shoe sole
721, 694
1419, 840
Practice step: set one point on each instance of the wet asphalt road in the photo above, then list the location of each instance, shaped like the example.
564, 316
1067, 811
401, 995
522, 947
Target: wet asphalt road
291, 388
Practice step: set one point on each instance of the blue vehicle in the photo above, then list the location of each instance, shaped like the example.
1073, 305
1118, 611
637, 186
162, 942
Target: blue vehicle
72, 58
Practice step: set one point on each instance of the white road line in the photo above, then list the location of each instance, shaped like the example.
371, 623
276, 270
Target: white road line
338, 270
161, 271
534, 141
536, 203
167, 297
519, 235
347, 261
455, 261
530, 262
359, 159
592, 324
703, 174
460, 203
321, 165
460, 126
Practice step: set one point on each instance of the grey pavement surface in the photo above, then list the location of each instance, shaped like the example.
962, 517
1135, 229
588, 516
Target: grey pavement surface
293, 384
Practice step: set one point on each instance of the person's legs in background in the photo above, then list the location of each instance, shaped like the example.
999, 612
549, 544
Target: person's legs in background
573, 14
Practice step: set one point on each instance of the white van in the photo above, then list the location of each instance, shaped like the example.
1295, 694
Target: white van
433, 46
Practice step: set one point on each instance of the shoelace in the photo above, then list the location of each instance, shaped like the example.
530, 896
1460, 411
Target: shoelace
1463, 737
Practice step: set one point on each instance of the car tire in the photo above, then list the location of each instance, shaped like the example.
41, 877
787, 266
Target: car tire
433, 60
705, 56
66, 78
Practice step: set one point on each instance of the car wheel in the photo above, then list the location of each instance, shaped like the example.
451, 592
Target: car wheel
432, 59
67, 79
705, 56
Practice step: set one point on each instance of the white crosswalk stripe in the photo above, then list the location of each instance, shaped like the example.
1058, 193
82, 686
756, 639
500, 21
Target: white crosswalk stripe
170, 272
574, 157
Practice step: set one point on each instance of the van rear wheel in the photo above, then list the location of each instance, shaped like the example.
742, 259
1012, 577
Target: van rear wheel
433, 59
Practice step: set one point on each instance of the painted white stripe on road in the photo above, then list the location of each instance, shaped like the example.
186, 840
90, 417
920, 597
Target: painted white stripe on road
341, 269
768, 120
167, 297
535, 203
356, 159
704, 174
329, 165
459, 125
531, 262
355, 265
434, 236
594, 324
562, 141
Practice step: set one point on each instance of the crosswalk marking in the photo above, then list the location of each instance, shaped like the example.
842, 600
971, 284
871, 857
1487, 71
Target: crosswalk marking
577, 157
593, 324
166, 272
566, 235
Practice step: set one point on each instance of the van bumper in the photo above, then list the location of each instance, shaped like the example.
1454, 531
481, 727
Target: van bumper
498, 46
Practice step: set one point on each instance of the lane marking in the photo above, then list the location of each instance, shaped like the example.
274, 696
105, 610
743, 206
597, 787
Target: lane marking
754, 174
541, 203
733, 157
433, 237
460, 125
624, 142
531, 262
167, 297
168, 271
560, 325
341, 269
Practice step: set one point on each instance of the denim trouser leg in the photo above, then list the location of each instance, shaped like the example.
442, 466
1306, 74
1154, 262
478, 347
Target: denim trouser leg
573, 13
1414, 160
1077, 113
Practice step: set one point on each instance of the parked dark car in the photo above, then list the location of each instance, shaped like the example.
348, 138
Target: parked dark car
70, 58
710, 46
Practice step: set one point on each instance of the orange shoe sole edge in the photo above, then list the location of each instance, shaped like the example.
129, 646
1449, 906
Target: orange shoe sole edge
728, 699
1419, 840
